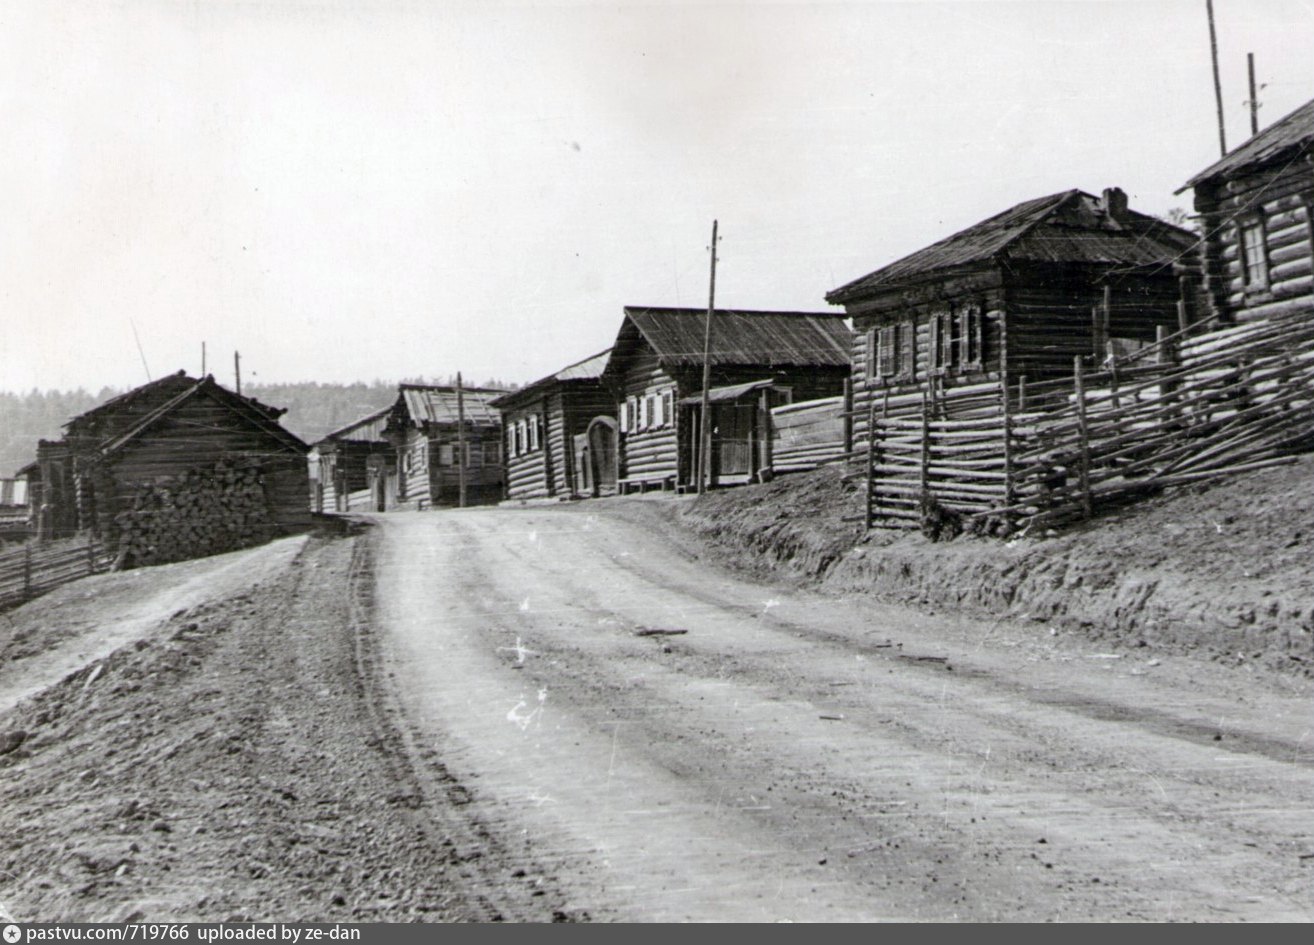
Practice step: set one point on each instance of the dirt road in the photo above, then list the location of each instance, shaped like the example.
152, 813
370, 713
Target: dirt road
798, 757
456, 715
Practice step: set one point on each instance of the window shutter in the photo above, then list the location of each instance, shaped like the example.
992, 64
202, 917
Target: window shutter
908, 349
643, 414
871, 368
625, 416
934, 352
659, 410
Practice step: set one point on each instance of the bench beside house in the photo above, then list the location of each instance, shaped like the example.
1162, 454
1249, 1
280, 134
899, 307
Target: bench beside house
559, 434
424, 428
354, 467
1256, 207
174, 469
1014, 298
759, 360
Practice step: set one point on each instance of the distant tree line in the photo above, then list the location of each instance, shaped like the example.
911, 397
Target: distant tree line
313, 410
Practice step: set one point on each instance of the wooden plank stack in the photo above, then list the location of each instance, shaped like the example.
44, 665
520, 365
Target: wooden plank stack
806, 435
204, 511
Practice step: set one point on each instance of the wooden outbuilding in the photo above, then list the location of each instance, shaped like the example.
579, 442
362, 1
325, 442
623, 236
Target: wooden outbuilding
759, 360
560, 434
1016, 297
354, 467
174, 469
426, 427
1256, 208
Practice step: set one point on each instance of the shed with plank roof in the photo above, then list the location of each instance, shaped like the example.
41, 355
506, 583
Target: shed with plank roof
173, 469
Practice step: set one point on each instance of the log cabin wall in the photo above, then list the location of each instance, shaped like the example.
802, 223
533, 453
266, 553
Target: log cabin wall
528, 449
485, 479
540, 426
1059, 311
648, 442
977, 295
581, 403
200, 434
1276, 202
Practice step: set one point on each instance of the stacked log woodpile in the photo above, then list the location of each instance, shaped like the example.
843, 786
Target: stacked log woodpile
205, 511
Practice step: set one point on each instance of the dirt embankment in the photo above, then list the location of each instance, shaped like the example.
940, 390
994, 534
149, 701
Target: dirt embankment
232, 762
1226, 570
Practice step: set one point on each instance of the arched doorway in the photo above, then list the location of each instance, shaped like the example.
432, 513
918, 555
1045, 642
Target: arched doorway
602, 455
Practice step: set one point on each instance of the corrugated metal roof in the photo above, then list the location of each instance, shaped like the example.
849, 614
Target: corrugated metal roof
744, 337
1294, 131
426, 404
590, 369
1067, 227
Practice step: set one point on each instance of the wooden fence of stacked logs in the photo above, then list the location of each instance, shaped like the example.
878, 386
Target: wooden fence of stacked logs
1189, 408
32, 569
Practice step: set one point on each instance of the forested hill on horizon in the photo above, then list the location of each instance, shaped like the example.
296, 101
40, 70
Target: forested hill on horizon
313, 410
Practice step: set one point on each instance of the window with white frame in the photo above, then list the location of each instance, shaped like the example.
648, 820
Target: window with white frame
907, 342
668, 407
1254, 253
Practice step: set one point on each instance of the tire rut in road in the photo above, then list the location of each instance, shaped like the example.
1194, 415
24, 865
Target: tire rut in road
500, 884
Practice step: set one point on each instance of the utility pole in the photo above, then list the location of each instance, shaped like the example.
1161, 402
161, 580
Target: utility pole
1254, 97
1218, 85
237, 370
460, 441
704, 421
202, 359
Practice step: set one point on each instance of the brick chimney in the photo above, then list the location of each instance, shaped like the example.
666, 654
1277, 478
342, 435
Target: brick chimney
1115, 204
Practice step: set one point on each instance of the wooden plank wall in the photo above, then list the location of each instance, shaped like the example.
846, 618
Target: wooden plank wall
805, 435
1282, 196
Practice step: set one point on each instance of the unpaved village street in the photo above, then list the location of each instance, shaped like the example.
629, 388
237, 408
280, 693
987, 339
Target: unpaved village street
797, 757
467, 715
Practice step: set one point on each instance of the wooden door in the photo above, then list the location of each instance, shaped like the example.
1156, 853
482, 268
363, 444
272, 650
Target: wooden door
732, 440
602, 453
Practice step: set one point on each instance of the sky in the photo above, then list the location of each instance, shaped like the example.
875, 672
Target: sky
360, 190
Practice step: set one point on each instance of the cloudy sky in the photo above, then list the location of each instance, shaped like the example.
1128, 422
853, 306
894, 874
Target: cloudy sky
359, 190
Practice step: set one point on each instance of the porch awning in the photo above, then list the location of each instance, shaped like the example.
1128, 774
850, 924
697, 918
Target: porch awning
733, 392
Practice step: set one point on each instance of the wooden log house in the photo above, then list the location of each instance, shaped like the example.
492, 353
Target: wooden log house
423, 427
354, 467
187, 445
1013, 299
560, 434
759, 360
1256, 208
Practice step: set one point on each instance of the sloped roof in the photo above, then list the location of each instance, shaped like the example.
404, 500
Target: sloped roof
1071, 226
253, 412
1287, 135
426, 404
741, 337
368, 428
165, 387
589, 369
